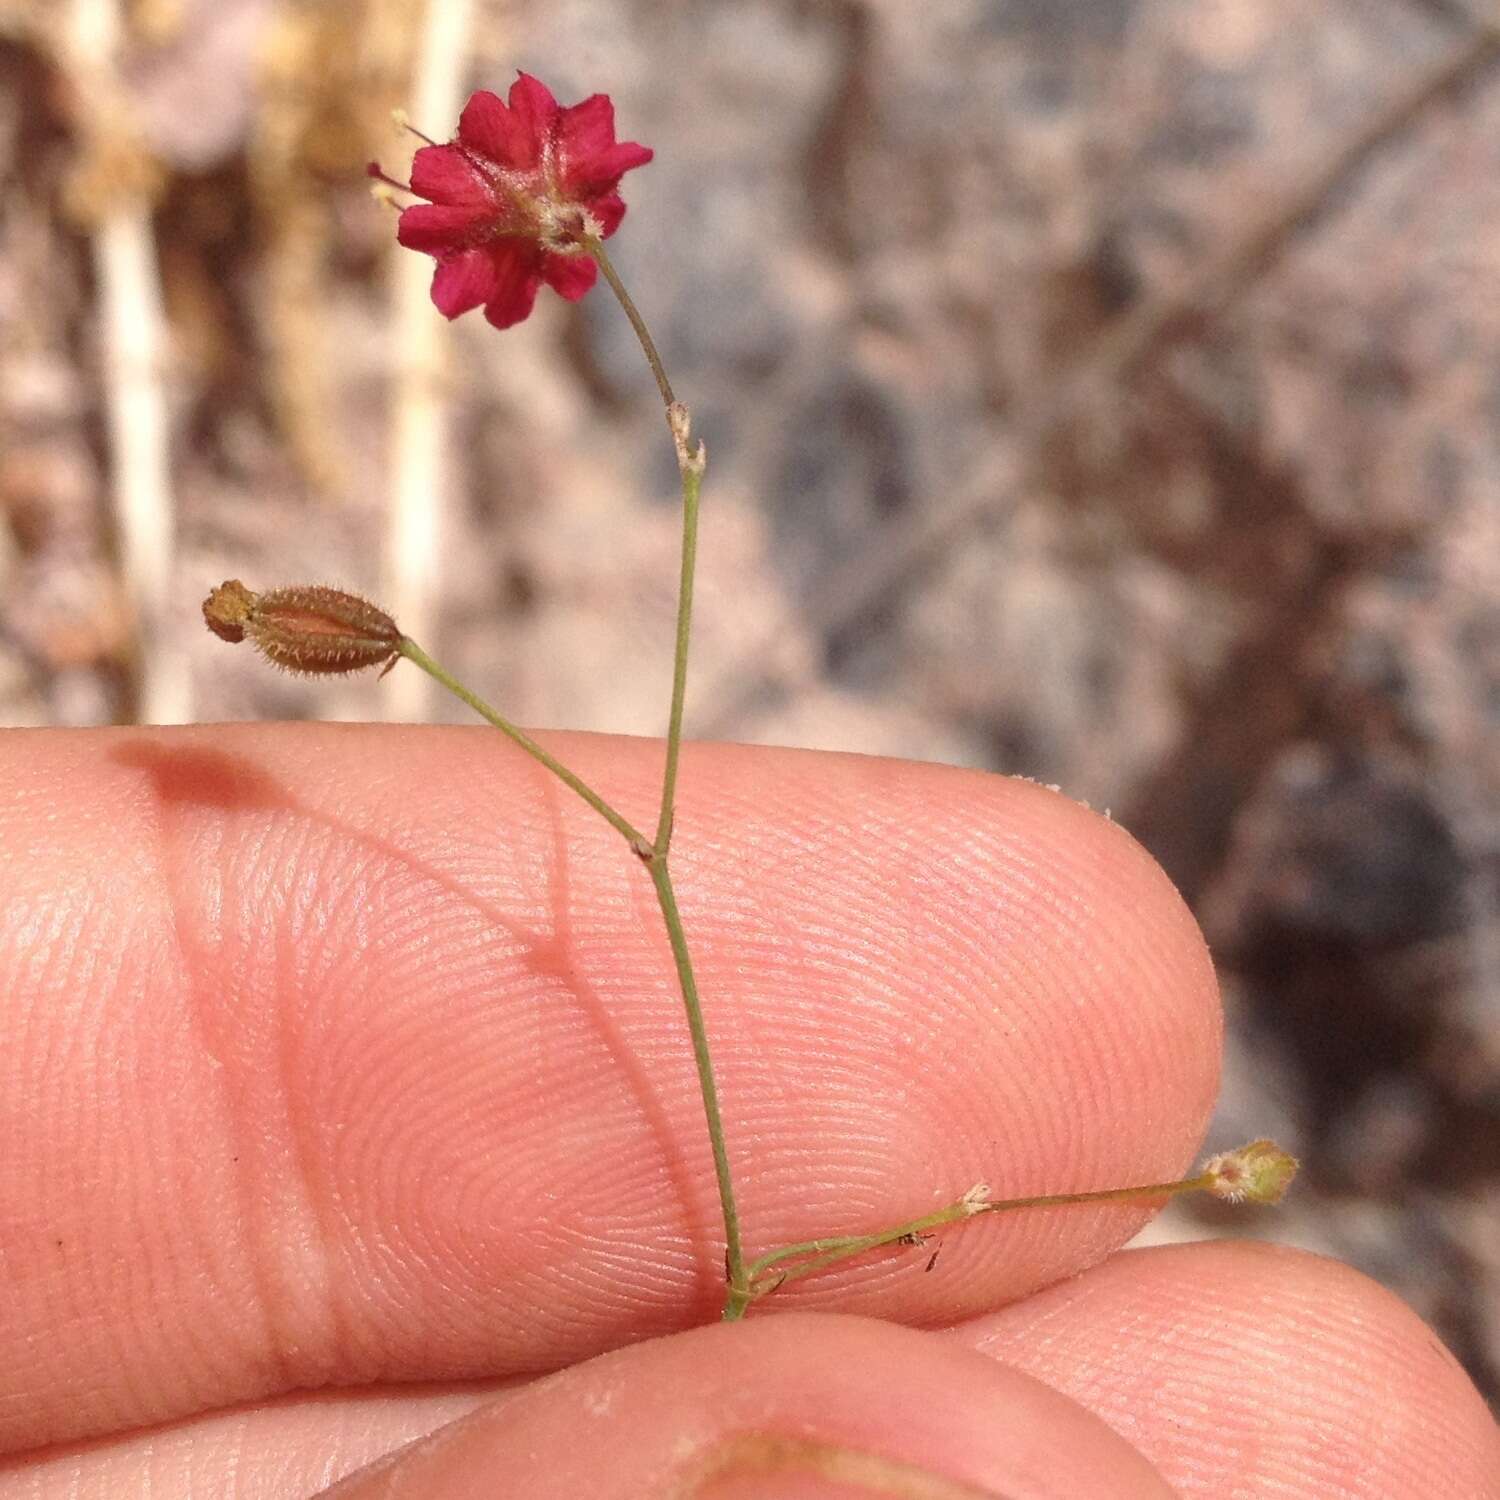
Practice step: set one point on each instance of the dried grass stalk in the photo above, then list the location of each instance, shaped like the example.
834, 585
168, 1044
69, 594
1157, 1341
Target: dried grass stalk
113, 193
421, 474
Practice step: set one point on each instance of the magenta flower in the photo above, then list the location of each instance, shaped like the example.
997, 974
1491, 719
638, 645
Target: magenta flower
515, 198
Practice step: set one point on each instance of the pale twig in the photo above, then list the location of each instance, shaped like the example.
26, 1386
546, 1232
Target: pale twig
903, 547
421, 473
133, 351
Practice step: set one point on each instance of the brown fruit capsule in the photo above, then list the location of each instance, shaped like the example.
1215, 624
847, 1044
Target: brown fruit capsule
306, 628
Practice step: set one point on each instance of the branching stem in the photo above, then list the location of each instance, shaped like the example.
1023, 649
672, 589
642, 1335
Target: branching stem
690, 464
811, 1256
1260, 1169
418, 657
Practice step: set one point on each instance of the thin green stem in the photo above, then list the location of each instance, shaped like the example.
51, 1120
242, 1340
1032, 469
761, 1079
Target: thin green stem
734, 1254
692, 484
810, 1256
690, 462
691, 465
595, 249
418, 657
1104, 1195
827, 1252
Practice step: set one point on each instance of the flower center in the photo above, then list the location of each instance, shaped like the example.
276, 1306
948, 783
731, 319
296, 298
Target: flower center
537, 208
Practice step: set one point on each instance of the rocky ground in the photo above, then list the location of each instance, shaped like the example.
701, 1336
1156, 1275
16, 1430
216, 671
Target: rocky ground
1098, 390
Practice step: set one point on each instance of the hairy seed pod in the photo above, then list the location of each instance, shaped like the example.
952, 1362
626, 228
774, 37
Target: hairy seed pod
307, 628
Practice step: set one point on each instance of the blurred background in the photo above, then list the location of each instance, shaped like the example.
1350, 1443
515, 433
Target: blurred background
1104, 391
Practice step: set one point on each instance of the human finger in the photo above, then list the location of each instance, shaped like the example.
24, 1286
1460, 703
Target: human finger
1235, 1368
339, 1054
796, 1408
1247, 1369
286, 1448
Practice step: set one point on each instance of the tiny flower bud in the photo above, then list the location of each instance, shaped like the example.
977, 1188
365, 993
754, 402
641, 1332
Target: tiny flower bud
1258, 1173
306, 628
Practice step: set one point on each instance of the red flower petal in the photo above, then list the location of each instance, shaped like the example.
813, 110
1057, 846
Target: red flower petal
585, 129
601, 171
488, 128
535, 109
465, 281
518, 274
445, 175
439, 228
609, 210
569, 276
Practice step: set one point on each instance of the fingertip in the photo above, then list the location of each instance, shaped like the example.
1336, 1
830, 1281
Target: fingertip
799, 1405
1254, 1365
